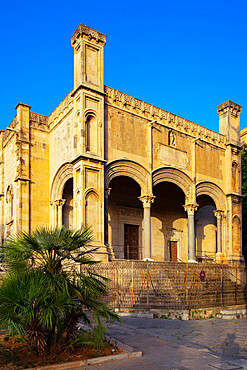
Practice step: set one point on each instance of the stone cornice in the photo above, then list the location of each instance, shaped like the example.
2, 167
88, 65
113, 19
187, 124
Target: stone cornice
89, 32
150, 112
23, 105
87, 88
229, 106
88, 157
19, 178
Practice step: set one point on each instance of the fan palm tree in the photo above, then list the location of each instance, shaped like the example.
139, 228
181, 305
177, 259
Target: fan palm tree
43, 293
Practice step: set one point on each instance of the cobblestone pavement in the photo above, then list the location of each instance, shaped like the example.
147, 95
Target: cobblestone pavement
174, 344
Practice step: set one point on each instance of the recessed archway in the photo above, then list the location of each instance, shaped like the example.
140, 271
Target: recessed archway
169, 223
205, 228
125, 218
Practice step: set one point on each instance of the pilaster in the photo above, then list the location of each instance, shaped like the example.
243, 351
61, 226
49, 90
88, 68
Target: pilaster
23, 168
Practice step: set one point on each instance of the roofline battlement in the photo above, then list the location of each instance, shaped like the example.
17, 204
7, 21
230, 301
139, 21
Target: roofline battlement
148, 111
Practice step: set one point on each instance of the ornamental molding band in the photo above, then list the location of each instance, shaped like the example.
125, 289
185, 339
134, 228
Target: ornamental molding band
75, 166
150, 112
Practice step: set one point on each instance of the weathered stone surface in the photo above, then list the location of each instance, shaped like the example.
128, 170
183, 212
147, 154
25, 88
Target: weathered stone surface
101, 151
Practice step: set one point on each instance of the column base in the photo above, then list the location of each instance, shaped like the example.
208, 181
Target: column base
219, 257
233, 258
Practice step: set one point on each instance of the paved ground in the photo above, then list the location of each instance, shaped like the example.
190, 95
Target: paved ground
173, 344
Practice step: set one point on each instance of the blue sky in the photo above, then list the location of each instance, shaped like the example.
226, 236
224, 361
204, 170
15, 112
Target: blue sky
186, 57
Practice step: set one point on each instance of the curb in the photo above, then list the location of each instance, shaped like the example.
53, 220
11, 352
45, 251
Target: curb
146, 315
129, 353
91, 361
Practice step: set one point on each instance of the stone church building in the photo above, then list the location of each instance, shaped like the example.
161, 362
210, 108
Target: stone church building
151, 184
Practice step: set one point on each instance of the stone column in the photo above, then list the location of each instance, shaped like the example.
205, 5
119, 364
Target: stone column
59, 214
190, 209
218, 214
111, 255
147, 200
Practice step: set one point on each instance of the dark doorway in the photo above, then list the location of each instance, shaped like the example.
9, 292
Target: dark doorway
173, 251
131, 242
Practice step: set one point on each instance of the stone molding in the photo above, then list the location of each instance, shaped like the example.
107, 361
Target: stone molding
150, 112
214, 192
175, 176
127, 168
64, 173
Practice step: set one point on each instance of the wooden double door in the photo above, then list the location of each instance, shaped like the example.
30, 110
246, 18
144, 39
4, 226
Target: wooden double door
173, 251
131, 242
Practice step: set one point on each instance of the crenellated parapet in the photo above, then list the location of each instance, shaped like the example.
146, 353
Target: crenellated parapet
148, 111
38, 121
62, 110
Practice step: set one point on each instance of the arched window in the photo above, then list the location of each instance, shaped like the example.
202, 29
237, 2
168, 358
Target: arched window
235, 176
9, 200
68, 207
91, 134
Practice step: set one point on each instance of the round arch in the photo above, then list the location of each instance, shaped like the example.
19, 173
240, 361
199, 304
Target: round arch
90, 112
177, 177
213, 191
64, 173
130, 169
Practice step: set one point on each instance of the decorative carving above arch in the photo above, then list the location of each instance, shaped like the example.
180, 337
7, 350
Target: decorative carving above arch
177, 177
213, 191
125, 167
91, 190
64, 173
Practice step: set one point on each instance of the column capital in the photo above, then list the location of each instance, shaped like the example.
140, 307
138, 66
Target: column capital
60, 202
219, 214
107, 192
191, 208
147, 200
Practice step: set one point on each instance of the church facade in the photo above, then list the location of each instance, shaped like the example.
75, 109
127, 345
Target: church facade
152, 184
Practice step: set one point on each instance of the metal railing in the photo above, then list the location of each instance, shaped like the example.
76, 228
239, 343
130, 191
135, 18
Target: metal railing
175, 285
